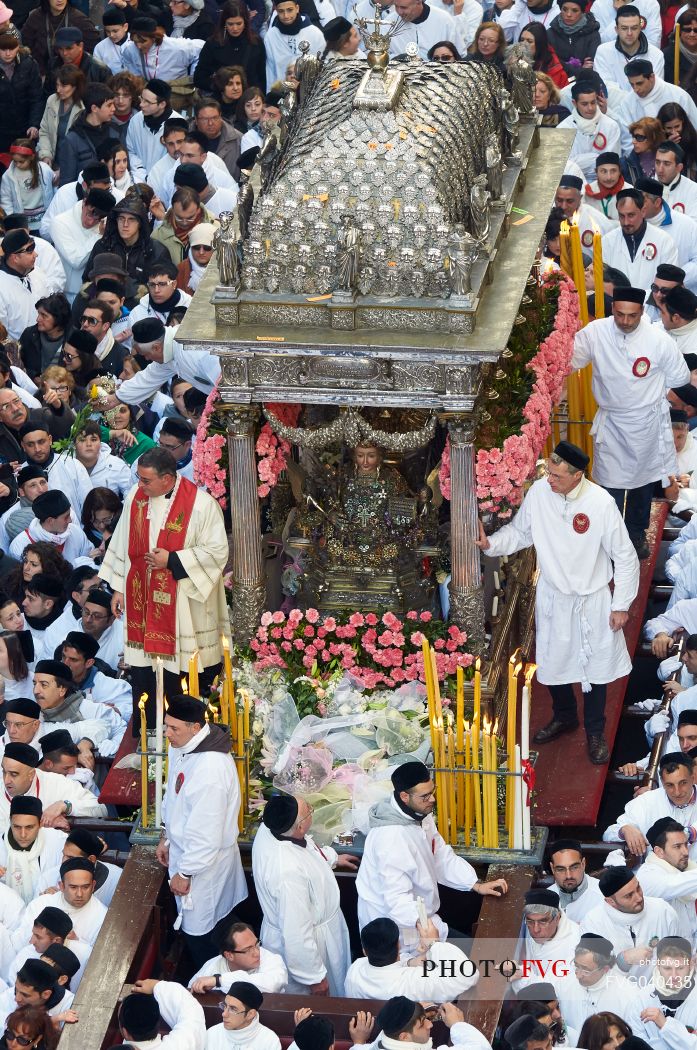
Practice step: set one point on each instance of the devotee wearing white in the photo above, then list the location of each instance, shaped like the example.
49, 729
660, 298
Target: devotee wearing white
651, 246
681, 570
631, 922
282, 48
22, 723
170, 1003
299, 897
146, 308
66, 475
594, 985
72, 541
439, 973
59, 795
241, 1026
423, 31
405, 857
26, 849
85, 844
514, 19
578, 892
110, 472
650, 11
596, 133
467, 20
547, 933
75, 233
669, 873
679, 191
57, 1003
656, 94
51, 926
66, 196
242, 959
11, 914
666, 1014
199, 815
49, 262
609, 62
676, 797
681, 229
219, 177
578, 532
162, 174
659, 630
65, 707
76, 898
22, 283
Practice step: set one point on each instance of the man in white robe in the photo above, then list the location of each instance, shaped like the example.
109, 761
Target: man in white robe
438, 974
634, 366
578, 533
299, 897
669, 873
405, 857
549, 938
634, 247
241, 1026
596, 133
676, 797
631, 922
667, 1007
199, 813
242, 959
26, 849
60, 795
179, 574
150, 1003
76, 899
578, 892
595, 984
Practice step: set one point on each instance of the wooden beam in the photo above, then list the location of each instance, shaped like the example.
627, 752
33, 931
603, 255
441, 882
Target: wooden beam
128, 931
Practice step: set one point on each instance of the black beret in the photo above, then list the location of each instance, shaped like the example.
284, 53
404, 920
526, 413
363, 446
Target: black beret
54, 741
96, 171
159, 88
67, 962
98, 596
31, 426
572, 454
44, 584
76, 864
50, 504
108, 284
274, 98
688, 717
520, 1031
83, 341
148, 330
84, 643
22, 753
34, 970
139, 1013
593, 942
280, 813
546, 898
651, 186
408, 775
571, 182
247, 993
27, 805
55, 921
29, 474
87, 841
55, 668
23, 706
187, 709
144, 24
378, 934
639, 67
541, 992
660, 827
113, 16
668, 272
560, 844
607, 158
14, 241
631, 194
335, 28
101, 200
191, 175
681, 301
613, 879
628, 295
396, 1014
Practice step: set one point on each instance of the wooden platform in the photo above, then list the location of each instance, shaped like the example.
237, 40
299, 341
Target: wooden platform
569, 788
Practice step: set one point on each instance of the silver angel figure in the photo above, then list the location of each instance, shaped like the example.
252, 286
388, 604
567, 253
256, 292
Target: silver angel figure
494, 170
366, 280
479, 210
307, 69
348, 255
225, 244
511, 125
462, 253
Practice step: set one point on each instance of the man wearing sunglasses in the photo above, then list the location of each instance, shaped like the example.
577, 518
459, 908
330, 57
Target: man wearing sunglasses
75, 233
21, 285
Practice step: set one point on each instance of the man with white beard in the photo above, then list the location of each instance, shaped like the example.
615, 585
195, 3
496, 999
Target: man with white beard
630, 921
669, 873
550, 935
578, 891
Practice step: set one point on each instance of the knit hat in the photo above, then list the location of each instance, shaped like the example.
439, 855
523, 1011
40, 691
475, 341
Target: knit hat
14, 241
50, 504
613, 879
408, 775
187, 709
23, 706
191, 175
55, 920
54, 668
22, 753
280, 813
27, 805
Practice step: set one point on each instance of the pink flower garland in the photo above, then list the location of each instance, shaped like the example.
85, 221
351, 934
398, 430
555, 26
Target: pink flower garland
208, 451
502, 472
273, 451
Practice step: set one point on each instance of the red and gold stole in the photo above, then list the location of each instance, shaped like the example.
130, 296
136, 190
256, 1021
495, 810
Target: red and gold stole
151, 594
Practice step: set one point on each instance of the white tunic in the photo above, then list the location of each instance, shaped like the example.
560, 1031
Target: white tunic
199, 812
270, 975
255, 1036
87, 921
437, 26
586, 148
581, 904
681, 196
404, 860
554, 955
283, 48
633, 440
184, 1016
18, 297
612, 992
656, 248
452, 975
67, 475
75, 545
644, 810
604, 11
573, 601
609, 63
683, 232
645, 929
25, 867
73, 242
303, 922
678, 1031
682, 614
657, 878
54, 787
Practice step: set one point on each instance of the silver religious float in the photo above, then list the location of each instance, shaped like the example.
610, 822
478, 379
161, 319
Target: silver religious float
377, 259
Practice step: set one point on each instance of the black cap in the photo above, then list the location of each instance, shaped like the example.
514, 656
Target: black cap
67, 962
561, 844
23, 706
29, 474
540, 992
146, 25
191, 175
76, 864
628, 295
668, 272
594, 942
572, 454
148, 330
15, 241
246, 160
101, 200
545, 898
114, 16
87, 841
631, 194
95, 171
55, 920
650, 186
335, 28
81, 340
607, 158
187, 709
50, 504
139, 1015
280, 813
27, 805
571, 182
247, 993
517, 1034
55, 668
45, 585
159, 88
677, 415
84, 643
55, 741
396, 1014
681, 301
408, 775
22, 753
613, 879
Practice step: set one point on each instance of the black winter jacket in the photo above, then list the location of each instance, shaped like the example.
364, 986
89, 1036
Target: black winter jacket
21, 100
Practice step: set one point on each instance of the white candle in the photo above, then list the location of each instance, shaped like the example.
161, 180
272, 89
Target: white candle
525, 723
496, 581
494, 606
518, 803
159, 735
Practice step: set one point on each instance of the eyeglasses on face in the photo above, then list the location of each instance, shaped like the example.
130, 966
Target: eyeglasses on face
160, 284
225, 1009
92, 321
14, 1037
638, 137
246, 951
70, 357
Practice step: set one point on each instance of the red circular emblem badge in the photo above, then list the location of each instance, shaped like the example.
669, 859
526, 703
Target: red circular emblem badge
649, 251
600, 142
587, 238
178, 783
581, 523
678, 206
641, 367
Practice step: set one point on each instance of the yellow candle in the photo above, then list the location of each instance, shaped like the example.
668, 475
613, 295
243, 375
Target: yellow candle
477, 784
193, 674
598, 275
240, 734
143, 761
469, 784
477, 690
492, 800
246, 718
460, 742
486, 815
565, 249
451, 777
676, 55
228, 683
578, 273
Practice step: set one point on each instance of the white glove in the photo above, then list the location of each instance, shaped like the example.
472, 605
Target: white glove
615, 858
658, 723
647, 705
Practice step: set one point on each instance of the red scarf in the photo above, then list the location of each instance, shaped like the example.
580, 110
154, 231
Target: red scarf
151, 594
601, 193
